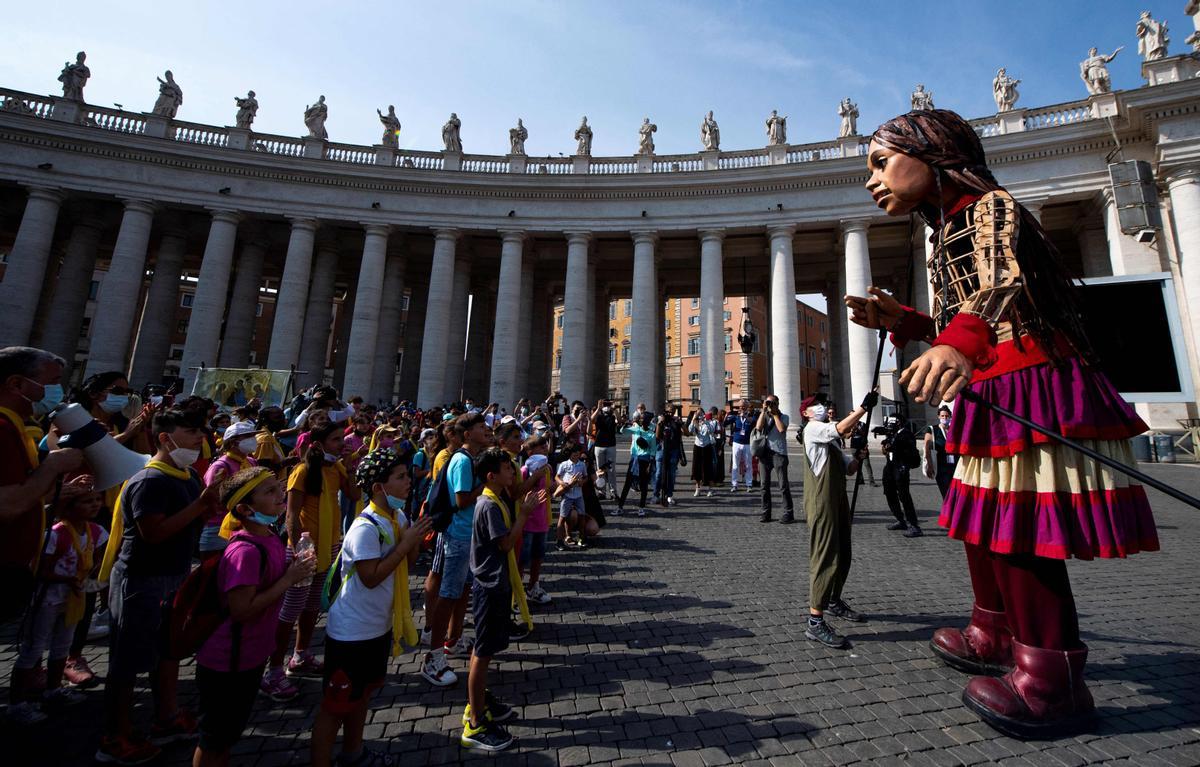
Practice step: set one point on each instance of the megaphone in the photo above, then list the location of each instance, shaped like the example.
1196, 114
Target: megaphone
111, 462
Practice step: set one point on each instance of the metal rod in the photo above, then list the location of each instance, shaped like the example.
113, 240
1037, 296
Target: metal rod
858, 480
1111, 463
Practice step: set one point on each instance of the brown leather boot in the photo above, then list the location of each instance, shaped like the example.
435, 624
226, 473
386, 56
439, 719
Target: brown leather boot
983, 647
1043, 697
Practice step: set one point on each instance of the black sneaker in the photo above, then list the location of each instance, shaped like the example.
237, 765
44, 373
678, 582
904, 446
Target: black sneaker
824, 633
518, 631
765, 518
488, 736
787, 519
897, 525
913, 532
560, 545
840, 609
498, 710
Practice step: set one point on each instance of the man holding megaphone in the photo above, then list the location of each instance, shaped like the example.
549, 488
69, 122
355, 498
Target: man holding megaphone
30, 385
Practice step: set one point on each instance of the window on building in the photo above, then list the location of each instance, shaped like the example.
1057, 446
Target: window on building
728, 342
612, 332
694, 321
824, 362
695, 393
176, 352
625, 353
253, 357
404, 302
85, 327
666, 323
667, 348
612, 353
695, 303
181, 327
628, 307
612, 311
558, 320
93, 290
258, 309
728, 316
728, 377
809, 320
627, 329
812, 357
693, 376
694, 345
558, 359
822, 326
186, 299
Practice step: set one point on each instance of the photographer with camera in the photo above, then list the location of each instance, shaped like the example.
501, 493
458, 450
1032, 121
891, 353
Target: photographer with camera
773, 425
604, 439
900, 453
668, 432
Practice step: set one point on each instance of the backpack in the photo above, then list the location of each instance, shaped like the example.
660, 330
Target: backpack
442, 504
334, 580
198, 608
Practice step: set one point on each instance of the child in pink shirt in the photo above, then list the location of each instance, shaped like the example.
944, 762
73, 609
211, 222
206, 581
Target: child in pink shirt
537, 527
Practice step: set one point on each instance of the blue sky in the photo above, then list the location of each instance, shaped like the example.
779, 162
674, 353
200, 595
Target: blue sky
551, 62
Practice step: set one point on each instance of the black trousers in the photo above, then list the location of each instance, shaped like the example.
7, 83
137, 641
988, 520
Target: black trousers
895, 489
769, 462
644, 466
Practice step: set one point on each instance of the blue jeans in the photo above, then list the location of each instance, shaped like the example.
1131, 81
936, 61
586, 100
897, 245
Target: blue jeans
667, 468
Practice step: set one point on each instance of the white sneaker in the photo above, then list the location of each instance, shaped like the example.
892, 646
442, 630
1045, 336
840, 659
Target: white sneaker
670, 501
24, 714
460, 649
539, 595
697, 493
436, 670
426, 638
642, 512
615, 511
709, 494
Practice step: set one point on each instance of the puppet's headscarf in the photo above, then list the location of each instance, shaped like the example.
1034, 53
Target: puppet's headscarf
946, 142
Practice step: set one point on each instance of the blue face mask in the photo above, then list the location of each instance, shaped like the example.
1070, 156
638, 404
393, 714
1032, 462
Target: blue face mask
263, 519
397, 504
115, 403
52, 397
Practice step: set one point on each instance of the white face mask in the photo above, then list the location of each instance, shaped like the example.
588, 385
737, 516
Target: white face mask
330, 458
248, 445
818, 413
183, 457
607, 410
944, 422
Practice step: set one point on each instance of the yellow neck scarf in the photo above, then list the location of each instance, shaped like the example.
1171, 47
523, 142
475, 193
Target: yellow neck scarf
117, 528
31, 452
84, 552
403, 627
514, 575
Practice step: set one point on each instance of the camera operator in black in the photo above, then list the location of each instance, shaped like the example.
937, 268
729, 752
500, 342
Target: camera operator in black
900, 448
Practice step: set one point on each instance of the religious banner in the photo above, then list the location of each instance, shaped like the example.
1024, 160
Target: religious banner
234, 387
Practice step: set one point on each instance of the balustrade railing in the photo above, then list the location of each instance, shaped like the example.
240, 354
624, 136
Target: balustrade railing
121, 121
194, 133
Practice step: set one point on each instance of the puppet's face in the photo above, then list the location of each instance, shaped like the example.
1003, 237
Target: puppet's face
898, 182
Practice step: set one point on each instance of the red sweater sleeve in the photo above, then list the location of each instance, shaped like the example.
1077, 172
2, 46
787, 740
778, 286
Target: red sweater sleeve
972, 336
912, 326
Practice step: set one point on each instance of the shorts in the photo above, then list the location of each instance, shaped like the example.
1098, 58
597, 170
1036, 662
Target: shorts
570, 507
226, 700
456, 567
533, 546
45, 628
491, 606
353, 670
138, 635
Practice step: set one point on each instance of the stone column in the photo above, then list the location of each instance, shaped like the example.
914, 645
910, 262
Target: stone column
645, 348
432, 381
1093, 249
387, 344
506, 330
480, 349
1184, 187
64, 312
585, 356
712, 320
26, 270
525, 329
287, 328
456, 347
243, 306
838, 374
572, 382
600, 348
117, 299
208, 305
318, 317
414, 334
364, 321
862, 342
1128, 256
785, 335
153, 344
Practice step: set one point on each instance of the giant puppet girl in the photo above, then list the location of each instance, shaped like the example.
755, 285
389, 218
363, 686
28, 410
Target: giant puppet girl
1006, 324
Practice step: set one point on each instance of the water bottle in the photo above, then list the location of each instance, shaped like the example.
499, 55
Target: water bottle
303, 548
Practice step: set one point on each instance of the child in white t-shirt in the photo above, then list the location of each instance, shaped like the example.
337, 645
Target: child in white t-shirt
569, 479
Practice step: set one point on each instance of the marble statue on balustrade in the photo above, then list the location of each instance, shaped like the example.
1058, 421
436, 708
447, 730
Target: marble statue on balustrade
74, 76
314, 119
583, 134
170, 97
1004, 90
1094, 71
848, 111
451, 139
710, 133
516, 138
776, 129
921, 98
14, 104
391, 127
646, 137
247, 110
1152, 37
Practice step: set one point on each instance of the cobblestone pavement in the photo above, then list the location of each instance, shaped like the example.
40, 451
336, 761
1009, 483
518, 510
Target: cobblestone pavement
676, 642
